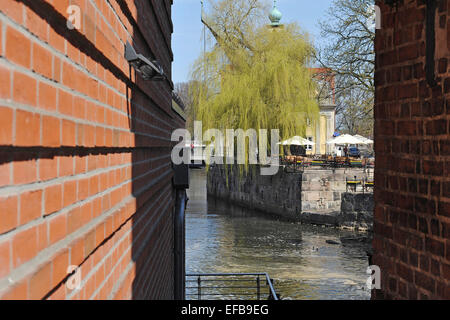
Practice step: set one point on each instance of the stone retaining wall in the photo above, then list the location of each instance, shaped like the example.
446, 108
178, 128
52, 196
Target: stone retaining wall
279, 194
357, 211
314, 196
322, 189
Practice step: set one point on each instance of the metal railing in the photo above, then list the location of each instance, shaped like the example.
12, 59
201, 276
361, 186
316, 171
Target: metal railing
294, 165
230, 286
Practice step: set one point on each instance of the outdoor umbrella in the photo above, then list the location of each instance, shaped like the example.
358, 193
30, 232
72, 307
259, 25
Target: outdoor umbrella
346, 139
297, 141
366, 140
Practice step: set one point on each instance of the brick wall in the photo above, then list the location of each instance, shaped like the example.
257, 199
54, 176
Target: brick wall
85, 170
412, 123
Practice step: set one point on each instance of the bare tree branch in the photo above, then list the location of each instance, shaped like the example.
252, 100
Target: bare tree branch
350, 53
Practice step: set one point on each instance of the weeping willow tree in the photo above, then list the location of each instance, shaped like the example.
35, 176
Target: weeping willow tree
255, 76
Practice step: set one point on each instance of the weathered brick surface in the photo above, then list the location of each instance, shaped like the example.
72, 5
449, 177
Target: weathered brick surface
85, 171
412, 123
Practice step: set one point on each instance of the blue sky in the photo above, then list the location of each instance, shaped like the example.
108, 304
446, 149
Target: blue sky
187, 44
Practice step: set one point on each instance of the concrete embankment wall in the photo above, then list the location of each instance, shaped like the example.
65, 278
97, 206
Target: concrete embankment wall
315, 196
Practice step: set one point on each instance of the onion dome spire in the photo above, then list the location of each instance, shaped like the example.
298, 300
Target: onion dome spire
275, 15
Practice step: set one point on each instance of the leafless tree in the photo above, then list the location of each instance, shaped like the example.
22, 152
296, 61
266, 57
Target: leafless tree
182, 90
349, 37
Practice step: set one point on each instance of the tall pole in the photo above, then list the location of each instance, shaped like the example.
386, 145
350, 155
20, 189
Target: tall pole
201, 19
204, 44
204, 31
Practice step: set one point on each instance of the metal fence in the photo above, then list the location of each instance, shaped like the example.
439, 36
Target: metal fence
230, 286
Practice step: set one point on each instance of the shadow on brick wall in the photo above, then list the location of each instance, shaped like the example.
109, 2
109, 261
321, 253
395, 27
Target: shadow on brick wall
152, 125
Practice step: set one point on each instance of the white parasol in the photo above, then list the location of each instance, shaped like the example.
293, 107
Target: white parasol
346, 139
297, 141
366, 140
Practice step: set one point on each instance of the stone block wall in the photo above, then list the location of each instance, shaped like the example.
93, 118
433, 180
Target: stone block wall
322, 189
314, 196
357, 211
279, 194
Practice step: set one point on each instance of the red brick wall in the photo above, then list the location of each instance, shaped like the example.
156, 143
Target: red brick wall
85, 170
412, 123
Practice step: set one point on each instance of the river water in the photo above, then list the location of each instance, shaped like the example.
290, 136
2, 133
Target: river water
222, 238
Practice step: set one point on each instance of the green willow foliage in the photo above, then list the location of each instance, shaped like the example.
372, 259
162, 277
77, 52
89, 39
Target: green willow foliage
258, 81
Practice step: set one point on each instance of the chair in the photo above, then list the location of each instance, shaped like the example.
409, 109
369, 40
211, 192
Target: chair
352, 184
356, 163
306, 162
341, 162
317, 163
368, 184
333, 163
299, 162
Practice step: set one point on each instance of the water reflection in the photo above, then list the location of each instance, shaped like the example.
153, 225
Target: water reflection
222, 238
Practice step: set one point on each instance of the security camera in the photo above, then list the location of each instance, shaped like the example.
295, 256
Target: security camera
150, 70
